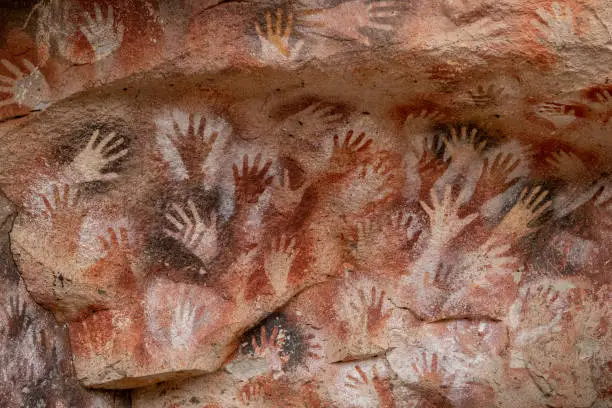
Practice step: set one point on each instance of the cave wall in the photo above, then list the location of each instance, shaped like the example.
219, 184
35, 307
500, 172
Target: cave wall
316, 203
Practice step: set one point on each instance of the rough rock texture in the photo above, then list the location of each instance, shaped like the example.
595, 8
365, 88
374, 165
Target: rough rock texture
317, 203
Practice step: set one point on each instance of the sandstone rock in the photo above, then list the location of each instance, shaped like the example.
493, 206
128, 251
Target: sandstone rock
323, 203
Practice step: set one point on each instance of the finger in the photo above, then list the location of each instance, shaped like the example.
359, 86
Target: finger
106, 140
274, 335
93, 139
108, 176
194, 211
263, 336
310, 109
381, 300
347, 139
202, 125
354, 379
174, 221
258, 30
545, 16
7, 102
480, 146
245, 165
496, 161
113, 237
321, 113
454, 137
365, 146
56, 197
264, 169
473, 135
13, 68
425, 368
112, 147
286, 181
196, 238
513, 166
99, 16
90, 21
362, 374
47, 204
269, 24
381, 26
279, 22
532, 195
213, 219
103, 243
448, 190
123, 236
182, 214
66, 198
116, 156
188, 234
543, 208
212, 139
7, 80
523, 194
428, 210
289, 26
434, 363
469, 219
190, 130
556, 8
31, 67
463, 133
291, 246
236, 173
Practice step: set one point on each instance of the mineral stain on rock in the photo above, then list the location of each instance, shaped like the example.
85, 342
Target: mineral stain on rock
315, 203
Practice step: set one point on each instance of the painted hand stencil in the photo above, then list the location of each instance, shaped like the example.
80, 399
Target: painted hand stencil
275, 42
252, 182
187, 319
271, 349
346, 155
313, 120
28, 89
286, 198
104, 33
355, 15
193, 146
482, 97
461, 148
278, 263
558, 114
495, 178
556, 28
518, 221
445, 223
568, 167
99, 154
371, 311
196, 235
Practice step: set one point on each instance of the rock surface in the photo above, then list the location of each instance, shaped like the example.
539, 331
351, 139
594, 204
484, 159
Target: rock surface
315, 203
